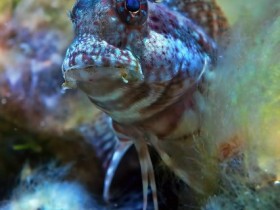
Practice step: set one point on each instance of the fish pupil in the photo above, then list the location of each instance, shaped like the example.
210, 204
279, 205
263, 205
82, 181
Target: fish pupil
132, 5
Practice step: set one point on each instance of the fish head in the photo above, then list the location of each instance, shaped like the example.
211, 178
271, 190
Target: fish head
128, 54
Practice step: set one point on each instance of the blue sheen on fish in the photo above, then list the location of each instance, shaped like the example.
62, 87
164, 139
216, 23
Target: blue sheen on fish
146, 71
132, 5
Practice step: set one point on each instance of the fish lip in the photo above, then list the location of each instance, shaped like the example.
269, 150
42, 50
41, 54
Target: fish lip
90, 57
97, 74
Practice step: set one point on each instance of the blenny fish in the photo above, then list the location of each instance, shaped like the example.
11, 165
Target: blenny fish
143, 63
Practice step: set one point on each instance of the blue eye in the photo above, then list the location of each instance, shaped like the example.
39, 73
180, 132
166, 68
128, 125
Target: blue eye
132, 5
132, 12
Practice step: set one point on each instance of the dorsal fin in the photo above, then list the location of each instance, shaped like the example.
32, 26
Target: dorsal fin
206, 13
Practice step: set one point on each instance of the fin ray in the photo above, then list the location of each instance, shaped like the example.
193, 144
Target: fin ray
118, 154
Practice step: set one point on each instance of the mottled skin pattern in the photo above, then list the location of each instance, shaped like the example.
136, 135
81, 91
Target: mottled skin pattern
205, 13
144, 73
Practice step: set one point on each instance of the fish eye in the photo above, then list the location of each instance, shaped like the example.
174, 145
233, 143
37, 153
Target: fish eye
132, 5
132, 12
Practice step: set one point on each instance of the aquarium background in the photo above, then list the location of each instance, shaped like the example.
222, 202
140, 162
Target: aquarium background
45, 144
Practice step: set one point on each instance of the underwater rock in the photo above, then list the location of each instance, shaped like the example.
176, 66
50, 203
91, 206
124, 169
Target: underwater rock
247, 199
238, 190
243, 101
46, 188
243, 104
31, 49
37, 120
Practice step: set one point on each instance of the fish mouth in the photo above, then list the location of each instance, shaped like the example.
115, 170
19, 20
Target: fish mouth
99, 81
97, 62
99, 75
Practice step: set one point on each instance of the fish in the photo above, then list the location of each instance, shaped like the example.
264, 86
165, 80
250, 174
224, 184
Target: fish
145, 64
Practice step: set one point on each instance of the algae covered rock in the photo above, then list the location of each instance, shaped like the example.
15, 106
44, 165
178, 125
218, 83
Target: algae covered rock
244, 102
38, 121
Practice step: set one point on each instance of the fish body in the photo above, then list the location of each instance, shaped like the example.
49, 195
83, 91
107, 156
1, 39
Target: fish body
143, 64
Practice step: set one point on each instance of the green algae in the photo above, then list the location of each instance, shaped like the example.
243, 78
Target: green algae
244, 99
